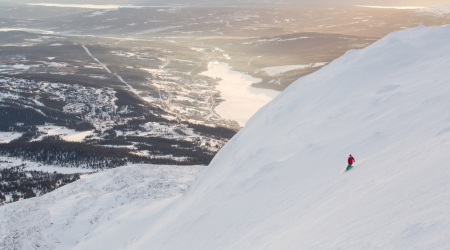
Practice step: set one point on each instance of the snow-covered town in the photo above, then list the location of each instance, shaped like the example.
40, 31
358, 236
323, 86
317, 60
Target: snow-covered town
95, 106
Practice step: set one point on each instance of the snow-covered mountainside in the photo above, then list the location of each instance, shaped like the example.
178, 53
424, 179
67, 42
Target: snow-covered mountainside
278, 184
106, 210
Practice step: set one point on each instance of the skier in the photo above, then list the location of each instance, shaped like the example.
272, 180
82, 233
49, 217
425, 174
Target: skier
351, 160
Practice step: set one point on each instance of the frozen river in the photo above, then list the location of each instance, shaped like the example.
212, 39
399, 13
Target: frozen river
241, 99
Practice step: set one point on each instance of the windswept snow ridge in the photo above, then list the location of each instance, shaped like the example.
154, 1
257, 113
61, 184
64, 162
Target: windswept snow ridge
277, 183
106, 210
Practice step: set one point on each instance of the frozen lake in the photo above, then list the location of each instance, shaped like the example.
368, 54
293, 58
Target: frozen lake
241, 99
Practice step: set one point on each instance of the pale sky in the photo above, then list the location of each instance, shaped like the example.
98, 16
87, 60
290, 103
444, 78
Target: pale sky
421, 3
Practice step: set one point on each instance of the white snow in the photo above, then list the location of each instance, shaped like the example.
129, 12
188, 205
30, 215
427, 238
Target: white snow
8, 162
95, 59
277, 183
152, 71
198, 49
101, 12
241, 99
106, 210
100, 103
6, 137
65, 133
56, 64
273, 71
16, 67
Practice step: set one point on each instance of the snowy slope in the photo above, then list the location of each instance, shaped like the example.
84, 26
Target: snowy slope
278, 183
106, 210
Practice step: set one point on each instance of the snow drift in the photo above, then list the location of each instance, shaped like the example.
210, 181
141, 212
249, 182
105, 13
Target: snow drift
106, 210
278, 183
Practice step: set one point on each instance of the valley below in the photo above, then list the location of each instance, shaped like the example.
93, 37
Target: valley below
93, 87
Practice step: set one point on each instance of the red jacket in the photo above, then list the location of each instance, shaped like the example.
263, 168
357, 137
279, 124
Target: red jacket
351, 160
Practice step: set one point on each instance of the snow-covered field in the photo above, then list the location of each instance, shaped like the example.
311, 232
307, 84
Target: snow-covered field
8, 162
65, 133
100, 211
273, 71
6, 137
241, 99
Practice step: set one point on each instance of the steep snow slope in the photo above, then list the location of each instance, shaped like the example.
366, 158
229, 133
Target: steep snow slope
278, 183
106, 210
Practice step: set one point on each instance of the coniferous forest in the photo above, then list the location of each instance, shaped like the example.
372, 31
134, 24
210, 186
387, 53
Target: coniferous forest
120, 129
17, 183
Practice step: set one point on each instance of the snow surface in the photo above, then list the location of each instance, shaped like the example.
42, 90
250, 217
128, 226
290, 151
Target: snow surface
273, 71
16, 67
9, 162
106, 210
6, 137
95, 59
277, 183
241, 99
65, 133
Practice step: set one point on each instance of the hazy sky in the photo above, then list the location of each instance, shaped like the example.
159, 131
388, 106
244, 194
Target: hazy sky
424, 3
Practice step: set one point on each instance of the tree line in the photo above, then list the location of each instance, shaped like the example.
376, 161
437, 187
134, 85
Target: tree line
82, 155
19, 183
